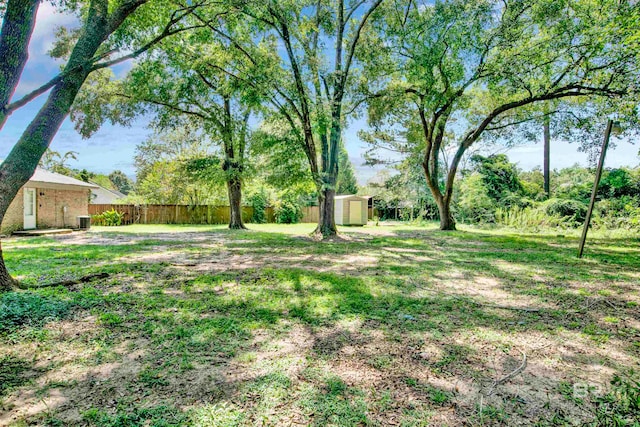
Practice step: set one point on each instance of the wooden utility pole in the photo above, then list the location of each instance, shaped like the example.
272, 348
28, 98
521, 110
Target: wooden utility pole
603, 152
545, 169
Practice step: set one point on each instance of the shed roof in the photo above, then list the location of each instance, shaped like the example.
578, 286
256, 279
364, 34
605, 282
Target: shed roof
347, 196
46, 177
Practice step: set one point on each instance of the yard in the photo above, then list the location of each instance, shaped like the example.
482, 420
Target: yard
391, 325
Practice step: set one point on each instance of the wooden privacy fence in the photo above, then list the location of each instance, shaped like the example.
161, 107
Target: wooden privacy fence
171, 214
187, 214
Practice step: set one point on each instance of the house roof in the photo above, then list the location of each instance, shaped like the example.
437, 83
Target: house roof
346, 196
46, 177
104, 196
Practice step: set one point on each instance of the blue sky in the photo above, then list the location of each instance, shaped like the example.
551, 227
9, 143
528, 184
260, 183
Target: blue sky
113, 147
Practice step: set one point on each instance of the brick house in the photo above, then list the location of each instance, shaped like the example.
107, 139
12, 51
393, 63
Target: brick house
48, 200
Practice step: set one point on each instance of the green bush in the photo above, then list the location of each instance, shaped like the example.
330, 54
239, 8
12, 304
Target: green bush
259, 201
110, 218
618, 183
500, 177
573, 211
516, 200
575, 183
554, 213
623, 212
530, 218
474, 204
287, 210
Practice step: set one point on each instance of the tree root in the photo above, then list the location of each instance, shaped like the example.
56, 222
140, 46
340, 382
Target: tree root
512, 374
10, 284
237, 227
72, 282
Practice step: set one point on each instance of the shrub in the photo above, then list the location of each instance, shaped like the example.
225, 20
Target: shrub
110, 218
617, 183
288, 210
516, 200
474, 204
500, 177
527, 218
573, 211
258, 201
623, 212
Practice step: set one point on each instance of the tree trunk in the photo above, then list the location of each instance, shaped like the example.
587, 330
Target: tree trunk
6, 281
442, 200
234, 187
547, 149
11, 180
326, 220
23, 159
446, 217
17, 27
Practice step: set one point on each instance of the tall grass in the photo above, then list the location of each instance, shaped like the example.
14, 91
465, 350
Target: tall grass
529, 218
536, 218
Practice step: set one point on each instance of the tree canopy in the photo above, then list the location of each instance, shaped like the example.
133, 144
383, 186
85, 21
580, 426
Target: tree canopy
457, 70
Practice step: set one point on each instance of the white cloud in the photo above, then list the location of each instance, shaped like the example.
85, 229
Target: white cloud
40, 67
48, 19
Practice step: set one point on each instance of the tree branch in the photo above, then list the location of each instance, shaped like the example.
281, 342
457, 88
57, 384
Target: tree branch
17, 26
167, 32
356, 37
163, 104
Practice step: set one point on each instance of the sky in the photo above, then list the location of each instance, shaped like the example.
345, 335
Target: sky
113, 147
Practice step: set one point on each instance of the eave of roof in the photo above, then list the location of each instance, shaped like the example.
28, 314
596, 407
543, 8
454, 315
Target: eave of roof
346, 196
46, 177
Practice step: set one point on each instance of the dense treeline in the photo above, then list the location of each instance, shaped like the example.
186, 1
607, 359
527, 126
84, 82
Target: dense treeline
492, 190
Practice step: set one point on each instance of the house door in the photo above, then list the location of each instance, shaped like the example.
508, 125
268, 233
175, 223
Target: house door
355, 212
29, 208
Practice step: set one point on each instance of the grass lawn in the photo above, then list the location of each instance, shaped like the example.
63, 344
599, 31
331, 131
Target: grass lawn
388, 326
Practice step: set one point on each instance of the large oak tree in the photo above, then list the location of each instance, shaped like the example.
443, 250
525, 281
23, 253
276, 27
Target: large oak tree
314, 83
189, 80
455, 70
107, 27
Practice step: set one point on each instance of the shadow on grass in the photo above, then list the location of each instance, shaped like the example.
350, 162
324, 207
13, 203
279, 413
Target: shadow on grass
181, 347
187, 345
14, 372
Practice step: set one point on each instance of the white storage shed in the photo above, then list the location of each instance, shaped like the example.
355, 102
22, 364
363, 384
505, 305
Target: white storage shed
351, 210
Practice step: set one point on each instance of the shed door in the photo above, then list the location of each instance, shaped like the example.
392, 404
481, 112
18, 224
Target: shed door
29, 208
355, 212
